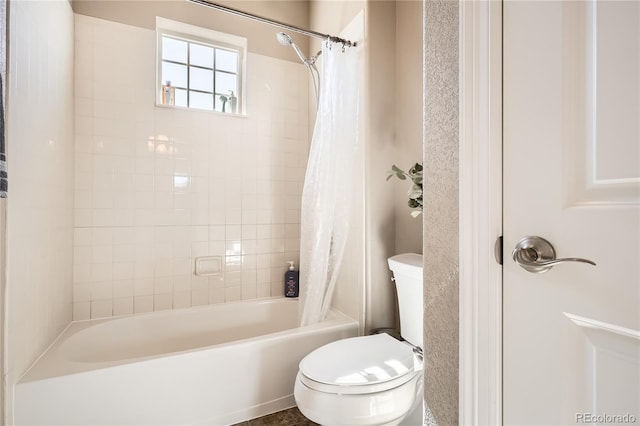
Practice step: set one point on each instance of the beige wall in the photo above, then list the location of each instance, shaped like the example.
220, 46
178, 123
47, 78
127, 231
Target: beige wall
441, 211
261, 37
380, 104
408, 117
331, 17
40, 169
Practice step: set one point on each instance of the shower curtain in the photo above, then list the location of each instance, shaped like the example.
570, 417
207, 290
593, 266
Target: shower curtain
328, 185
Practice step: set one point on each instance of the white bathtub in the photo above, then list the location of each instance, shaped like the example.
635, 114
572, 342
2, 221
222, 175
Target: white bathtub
211, 365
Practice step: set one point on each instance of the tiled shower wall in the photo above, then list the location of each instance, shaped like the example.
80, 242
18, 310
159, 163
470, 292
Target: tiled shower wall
39, 226
156, 187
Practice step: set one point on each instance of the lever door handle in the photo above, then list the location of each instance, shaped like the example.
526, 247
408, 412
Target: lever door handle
537, 255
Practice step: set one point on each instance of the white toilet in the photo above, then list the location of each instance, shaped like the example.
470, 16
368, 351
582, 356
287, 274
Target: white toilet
370, 380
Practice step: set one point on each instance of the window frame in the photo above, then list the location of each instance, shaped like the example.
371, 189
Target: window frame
205, 37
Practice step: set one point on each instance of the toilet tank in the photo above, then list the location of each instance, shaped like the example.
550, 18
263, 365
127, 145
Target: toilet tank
407, 274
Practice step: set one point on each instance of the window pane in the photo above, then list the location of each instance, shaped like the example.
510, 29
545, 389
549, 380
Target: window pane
226, 83
200, 100
201, 55
181, 98
201, 79
174, 50
176, 74
226, 60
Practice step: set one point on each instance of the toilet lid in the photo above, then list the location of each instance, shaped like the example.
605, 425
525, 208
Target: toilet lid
366, 360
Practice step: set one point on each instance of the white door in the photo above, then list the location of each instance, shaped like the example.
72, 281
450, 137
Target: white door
572, 176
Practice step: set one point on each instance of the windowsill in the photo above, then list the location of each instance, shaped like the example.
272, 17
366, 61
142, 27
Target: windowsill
225, 114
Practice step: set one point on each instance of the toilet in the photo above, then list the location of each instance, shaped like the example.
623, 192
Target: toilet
375, 379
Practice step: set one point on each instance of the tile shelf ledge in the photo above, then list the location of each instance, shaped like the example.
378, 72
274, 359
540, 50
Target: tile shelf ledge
225, 114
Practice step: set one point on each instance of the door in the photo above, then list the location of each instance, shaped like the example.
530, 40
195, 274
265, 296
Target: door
571, 176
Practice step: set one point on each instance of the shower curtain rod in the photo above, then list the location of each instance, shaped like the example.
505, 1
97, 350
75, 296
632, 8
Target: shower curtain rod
310, 33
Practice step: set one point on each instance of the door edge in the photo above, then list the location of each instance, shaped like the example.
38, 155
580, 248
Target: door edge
480, 351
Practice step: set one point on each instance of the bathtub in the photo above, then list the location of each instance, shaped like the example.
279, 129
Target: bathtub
213, 365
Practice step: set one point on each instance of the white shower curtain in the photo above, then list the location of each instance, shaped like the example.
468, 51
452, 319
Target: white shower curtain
328, 185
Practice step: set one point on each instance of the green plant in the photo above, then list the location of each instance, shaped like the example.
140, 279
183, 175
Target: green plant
415, 192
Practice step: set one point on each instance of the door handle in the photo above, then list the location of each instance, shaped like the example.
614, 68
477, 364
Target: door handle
537, 255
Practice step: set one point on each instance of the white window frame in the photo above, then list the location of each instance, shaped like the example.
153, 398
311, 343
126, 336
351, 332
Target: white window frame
205, 36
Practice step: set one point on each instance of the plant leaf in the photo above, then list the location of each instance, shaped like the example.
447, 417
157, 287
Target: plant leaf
415, 194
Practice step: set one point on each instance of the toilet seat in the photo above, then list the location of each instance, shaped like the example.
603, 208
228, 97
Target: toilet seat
359, 365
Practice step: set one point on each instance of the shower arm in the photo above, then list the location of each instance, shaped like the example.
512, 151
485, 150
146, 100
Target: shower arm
345, 43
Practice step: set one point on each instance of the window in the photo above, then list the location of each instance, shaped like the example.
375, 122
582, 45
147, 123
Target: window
200, 73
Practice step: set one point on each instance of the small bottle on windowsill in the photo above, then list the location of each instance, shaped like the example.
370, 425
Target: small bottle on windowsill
168, 94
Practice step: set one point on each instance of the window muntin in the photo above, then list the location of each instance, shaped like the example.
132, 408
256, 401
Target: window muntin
204, 75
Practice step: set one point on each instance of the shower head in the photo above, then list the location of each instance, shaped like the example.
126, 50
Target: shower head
284, 39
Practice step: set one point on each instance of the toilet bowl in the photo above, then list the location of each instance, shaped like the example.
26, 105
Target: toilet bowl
369, 380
